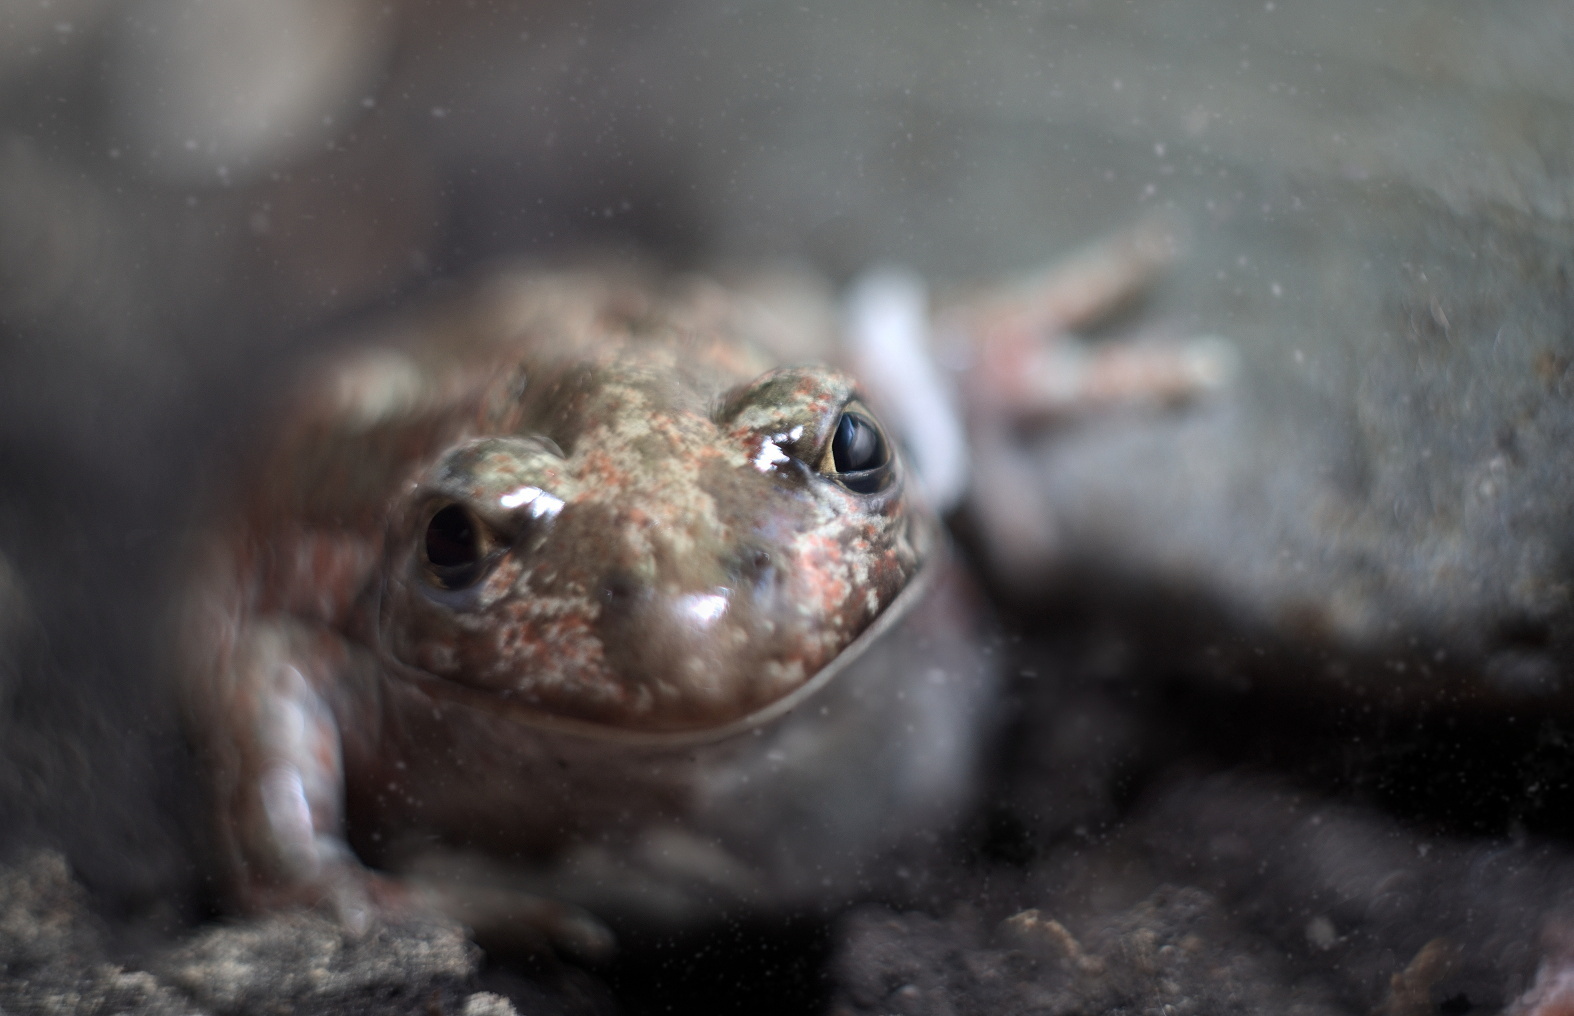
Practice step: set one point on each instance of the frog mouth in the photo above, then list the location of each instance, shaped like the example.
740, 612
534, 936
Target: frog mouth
913, 593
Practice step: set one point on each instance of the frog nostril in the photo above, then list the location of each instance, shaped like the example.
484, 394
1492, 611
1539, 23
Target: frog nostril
749, 566
619, 591
755, 573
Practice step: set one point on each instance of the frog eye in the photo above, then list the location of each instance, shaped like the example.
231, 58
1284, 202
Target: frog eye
858, 455
454, 548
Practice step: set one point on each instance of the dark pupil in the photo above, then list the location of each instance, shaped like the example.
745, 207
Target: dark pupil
857, 445
451, 539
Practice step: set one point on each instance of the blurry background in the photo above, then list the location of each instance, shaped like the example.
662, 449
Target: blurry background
1378, 198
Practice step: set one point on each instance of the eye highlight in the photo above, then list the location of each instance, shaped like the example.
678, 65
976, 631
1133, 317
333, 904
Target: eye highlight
454, 548
858, 456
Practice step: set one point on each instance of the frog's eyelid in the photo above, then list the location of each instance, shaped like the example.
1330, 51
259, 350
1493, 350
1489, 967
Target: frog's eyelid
550, 445
730, 404
803, 437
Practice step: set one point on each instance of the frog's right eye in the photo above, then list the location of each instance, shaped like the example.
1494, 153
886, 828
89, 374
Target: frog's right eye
858, 456
454, 548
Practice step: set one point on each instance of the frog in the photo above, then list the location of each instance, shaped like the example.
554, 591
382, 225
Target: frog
574, 601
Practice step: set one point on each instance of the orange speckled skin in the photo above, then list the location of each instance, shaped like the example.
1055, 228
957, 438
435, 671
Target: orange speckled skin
667, 563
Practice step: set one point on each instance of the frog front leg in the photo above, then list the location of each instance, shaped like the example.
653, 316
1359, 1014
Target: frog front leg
278, 748
274, 744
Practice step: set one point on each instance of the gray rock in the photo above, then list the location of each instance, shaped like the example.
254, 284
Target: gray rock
55, 957
1365, 901
52, 958
1386, 482
1233, 894
307, 963
1173, 953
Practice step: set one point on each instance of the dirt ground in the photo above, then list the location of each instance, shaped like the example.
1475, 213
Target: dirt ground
1293, 688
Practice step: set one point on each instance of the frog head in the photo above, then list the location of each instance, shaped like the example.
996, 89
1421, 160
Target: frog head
638, 545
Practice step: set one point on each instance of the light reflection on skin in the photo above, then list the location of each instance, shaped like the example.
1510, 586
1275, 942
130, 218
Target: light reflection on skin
542, 504
704, 609
769, 455
770, 451
290, 815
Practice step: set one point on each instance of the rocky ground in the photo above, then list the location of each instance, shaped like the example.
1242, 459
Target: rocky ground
1291, 718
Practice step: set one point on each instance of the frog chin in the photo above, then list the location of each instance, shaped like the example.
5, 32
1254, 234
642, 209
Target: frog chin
705, 658
696, 671
684, 662
700, 720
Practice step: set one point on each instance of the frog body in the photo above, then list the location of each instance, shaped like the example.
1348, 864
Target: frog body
573, 586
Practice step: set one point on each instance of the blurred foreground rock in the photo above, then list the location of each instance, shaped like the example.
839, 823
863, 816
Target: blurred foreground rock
1233, 895
1172, 953
54, 958
51, 953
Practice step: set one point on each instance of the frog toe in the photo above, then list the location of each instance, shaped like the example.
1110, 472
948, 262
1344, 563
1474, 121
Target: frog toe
510, 920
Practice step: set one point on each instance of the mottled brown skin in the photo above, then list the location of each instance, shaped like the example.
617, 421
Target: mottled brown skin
667, 553
604, 612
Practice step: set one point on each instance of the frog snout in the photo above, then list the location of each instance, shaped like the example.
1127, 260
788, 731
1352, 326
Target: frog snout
659, 637
648, 616
697, 644
747, 589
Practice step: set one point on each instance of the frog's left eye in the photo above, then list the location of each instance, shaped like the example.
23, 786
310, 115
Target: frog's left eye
858, 455
455, 548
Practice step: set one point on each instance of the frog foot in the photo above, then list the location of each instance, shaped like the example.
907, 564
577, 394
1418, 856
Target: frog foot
501, 916
1022, 360
1020, 363
1007, 356
353, 896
